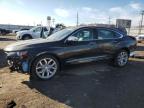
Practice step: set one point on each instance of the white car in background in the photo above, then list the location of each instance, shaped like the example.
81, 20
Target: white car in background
140, 38
36, 32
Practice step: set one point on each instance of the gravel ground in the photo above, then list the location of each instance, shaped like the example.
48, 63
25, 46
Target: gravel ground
89, 85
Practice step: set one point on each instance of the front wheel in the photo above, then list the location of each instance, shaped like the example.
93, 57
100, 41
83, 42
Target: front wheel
44, 67
26, 37
121, 59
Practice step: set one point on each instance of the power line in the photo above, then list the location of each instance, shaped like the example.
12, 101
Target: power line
53, 20
109, 20
77, 19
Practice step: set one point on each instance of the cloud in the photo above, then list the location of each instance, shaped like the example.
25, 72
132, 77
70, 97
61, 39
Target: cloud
68, 15
19, 2
128, 11
11, 16
61, 12
136, 6
87, 9
116, 9
119, 12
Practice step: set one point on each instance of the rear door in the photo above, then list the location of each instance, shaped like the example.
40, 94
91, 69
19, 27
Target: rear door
107, 40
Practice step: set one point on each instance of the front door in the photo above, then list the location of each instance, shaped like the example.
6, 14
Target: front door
81, 50
37, 32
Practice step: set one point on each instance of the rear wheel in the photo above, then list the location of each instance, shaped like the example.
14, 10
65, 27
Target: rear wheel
44, 67
121, 59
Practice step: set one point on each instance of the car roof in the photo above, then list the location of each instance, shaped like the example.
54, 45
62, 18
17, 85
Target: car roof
121, 30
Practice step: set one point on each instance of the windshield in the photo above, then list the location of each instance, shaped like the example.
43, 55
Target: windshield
60, 34
32, 29
36, 29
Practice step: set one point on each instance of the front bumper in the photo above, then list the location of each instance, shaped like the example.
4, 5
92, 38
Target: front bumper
17, 64
18, 37
132, 54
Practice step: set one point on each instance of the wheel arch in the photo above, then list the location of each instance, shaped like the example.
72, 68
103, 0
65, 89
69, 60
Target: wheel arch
45, 53
127, 49
24, 35
123, 48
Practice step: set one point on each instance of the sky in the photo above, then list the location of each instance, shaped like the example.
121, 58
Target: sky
32, 12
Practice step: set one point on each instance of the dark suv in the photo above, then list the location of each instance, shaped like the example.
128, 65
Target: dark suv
43, 58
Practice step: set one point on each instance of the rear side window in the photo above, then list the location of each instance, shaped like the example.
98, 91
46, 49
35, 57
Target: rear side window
107, 34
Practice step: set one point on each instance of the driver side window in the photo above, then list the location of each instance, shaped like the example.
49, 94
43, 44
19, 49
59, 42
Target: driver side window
84, 35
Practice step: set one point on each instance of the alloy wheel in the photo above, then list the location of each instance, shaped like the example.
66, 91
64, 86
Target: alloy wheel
122, 58
46, 68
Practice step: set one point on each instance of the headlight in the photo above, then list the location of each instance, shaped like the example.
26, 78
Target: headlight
22, 54
18, 36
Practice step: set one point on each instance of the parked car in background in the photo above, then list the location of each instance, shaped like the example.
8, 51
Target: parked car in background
23, 29
4, 31
36, 32
43, 58
15, 31
140, 38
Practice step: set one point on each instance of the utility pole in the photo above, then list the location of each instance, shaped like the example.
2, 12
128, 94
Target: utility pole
53, 20
34, 23
41, 23
141, 22
77, 19
48, 21
109, 20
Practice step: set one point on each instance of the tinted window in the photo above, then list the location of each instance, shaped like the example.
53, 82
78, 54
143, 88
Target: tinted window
84, 35
45, 29
106, 34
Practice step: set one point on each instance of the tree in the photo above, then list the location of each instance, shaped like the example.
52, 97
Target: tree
61, 26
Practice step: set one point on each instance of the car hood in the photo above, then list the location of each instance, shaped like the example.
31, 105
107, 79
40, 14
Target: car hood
23, 31
22, 45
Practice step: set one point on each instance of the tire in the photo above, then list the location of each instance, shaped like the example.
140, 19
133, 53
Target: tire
121, 58
44, 67
26, 37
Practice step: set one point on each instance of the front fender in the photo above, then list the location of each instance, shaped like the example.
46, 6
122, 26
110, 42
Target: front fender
42, 53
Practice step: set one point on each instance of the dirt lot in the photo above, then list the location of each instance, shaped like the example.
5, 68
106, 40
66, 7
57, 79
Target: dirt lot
90, 85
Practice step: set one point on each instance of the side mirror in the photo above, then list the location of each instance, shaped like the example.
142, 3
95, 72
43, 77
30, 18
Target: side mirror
72, 39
